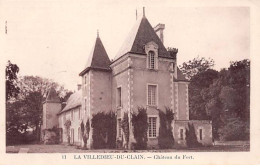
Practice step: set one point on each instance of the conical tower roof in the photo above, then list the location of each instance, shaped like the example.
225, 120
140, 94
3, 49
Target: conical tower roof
52, 96
98, 58
140, 35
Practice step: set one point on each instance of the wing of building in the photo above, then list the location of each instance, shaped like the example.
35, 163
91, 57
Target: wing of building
142, 74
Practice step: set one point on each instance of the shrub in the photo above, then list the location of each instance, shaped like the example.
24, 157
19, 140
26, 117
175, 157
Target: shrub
67, 125
165, 139
140, 125
85, 132
191, 138
104, 130
125, 127
234, 129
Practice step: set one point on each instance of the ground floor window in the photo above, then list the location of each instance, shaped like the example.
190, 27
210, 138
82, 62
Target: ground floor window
152, 127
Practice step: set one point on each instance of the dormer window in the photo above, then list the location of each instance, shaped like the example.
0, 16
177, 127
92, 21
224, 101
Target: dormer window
151, 60
151, 49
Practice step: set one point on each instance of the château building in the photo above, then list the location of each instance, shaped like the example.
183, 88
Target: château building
142, 74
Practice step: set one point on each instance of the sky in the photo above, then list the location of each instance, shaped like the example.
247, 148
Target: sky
53, 39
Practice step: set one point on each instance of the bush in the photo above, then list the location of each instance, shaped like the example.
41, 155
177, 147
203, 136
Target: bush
191, 138
234, 129
85, 132
125, 127
104, 130
140, 125
165, 139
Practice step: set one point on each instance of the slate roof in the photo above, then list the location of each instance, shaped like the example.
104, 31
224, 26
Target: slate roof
52, 96
98, 58
141, 34
73, 101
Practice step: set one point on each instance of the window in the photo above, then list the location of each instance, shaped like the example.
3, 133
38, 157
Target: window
200, 132
152, 95
151, 60
119, 97
181, 134
85, 81
119, 128
152, 127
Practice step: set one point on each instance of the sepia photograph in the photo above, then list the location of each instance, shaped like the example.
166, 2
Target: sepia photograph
119, 80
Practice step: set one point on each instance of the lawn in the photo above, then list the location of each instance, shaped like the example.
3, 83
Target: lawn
41, 148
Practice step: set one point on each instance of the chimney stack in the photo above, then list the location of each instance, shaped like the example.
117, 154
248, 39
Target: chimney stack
159, 30
79, 86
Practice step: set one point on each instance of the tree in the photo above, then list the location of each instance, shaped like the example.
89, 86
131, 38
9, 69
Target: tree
227, 101
16, 123
33, 90
29, 84
197, 104
33, 106
11, 72
140, 125
195, 66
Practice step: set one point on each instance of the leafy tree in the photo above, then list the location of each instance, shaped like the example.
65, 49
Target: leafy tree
199, 82
33, 113
195, 66
227, 101
16, 124
140, 125
29, 84
11, 72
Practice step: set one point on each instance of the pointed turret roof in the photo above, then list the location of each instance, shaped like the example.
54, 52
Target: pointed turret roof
140, 35
98, 58
52, 96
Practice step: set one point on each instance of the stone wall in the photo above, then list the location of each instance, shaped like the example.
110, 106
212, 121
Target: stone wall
205, 125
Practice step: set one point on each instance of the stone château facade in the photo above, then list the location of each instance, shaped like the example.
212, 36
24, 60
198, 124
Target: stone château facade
143, 73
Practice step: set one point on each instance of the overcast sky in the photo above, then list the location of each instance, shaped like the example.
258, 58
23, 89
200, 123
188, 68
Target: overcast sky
53, 39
